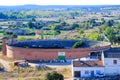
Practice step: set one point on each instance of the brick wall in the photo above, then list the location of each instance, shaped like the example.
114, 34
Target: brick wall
48, 54
4, 46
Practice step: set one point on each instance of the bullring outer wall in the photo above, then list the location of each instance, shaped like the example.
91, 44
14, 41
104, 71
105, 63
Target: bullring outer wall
48, 54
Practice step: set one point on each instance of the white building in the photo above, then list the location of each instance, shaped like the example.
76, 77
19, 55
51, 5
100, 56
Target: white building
112, 61
108, 65
88, 69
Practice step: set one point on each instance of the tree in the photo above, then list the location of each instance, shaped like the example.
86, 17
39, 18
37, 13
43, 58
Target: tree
30, 24
57, 32
81, 31
3, 16
86, 25
103, 21
110, 23
92, 21
54, 76
22, 39
109, 32
94, 36
63, 23
102, 28
78, 44
75, 25
14, 35
118, 38
118, 26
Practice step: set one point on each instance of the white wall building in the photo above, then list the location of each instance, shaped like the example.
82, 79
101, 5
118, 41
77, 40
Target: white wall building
88, 69
108, 65
112, 61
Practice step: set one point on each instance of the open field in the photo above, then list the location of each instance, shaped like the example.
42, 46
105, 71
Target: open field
34, 74
1, 33
31, 73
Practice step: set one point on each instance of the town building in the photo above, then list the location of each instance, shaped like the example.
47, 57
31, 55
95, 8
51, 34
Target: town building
108, 64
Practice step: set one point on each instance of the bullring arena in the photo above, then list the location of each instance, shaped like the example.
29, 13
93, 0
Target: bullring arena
51, 49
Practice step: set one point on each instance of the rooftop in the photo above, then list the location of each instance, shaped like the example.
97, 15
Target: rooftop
112, 53
87, 64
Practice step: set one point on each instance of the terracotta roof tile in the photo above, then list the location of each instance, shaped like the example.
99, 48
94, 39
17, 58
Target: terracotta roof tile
87, 63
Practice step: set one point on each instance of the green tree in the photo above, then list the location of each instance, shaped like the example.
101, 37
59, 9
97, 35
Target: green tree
109, 32
22, 39
94, 36
118, 26
102, 28
57, 32
118, 38
78, 44
81, 31
85, 24
103, 21
63, 23
110, 23
54, 76
14, 35
31, 25
75, 25
92, 21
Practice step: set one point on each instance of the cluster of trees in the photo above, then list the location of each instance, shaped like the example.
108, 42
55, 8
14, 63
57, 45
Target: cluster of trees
112, 33
26, 14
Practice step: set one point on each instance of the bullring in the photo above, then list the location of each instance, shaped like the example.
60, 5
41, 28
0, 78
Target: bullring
50, 49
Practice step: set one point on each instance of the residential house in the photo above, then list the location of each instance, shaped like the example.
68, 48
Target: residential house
88, 69
112, 61
107, 65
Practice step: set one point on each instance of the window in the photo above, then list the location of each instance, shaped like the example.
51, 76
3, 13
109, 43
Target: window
86, 72
77, 73
114, 61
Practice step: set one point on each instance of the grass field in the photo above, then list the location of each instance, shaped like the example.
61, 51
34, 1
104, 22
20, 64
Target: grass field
33, 74
0, 44
1, 33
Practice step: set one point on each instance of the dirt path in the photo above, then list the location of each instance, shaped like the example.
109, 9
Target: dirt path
5, 64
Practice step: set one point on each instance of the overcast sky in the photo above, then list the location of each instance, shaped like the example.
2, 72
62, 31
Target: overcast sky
60, 2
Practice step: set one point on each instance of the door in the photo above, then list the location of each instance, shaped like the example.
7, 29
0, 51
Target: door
77, 74
92, 73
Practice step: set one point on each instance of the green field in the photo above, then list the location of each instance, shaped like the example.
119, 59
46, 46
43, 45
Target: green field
1, 33
0, 44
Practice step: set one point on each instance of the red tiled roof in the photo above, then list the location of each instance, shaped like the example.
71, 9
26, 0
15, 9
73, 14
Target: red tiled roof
87, 63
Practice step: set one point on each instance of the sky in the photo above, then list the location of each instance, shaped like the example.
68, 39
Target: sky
59, 2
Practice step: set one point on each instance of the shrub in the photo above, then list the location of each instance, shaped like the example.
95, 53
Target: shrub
78, 44
54, 76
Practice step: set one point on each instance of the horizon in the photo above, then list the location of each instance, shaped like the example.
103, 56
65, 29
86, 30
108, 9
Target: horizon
58, 2
55, 5
58, 5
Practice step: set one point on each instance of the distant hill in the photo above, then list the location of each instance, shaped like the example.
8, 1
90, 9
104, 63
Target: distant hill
49, 7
